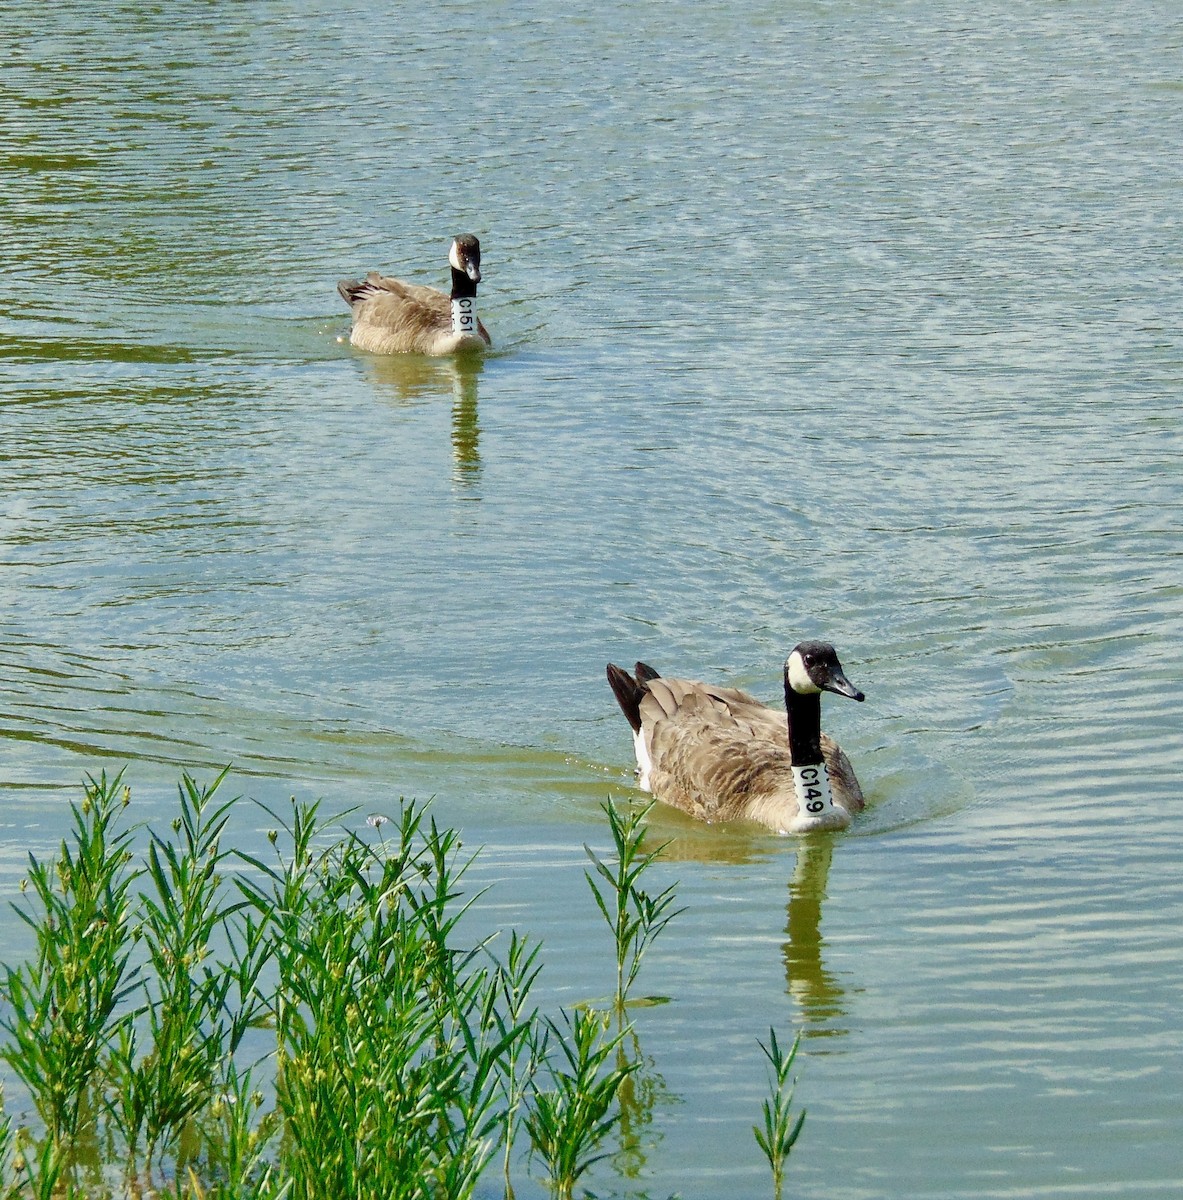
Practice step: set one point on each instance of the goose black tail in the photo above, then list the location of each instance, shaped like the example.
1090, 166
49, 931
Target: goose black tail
646, 672
629, 694
353, 290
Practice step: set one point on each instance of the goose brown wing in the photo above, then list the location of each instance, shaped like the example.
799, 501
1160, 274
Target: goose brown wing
390, 316
710, 747
416, 305
414, 293
710, 765
747, 711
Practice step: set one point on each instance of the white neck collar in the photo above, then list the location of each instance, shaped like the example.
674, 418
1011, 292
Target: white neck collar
464, 316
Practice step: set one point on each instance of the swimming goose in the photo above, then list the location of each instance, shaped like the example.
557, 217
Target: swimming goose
718, 753
392, 317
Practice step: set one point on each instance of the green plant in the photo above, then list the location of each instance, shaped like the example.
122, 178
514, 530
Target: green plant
516, 1069
64, 1002
238, 1133
781, 1130
635, 916
185, 996
388, 1036
568, 1122
9, 1189
223, 1027
38, 1170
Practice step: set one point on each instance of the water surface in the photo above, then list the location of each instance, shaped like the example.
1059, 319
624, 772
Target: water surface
859, 321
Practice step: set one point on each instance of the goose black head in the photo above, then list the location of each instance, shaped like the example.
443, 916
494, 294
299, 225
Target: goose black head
465, 256
813, 667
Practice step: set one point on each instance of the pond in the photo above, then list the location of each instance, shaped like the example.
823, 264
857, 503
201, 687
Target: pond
835, 319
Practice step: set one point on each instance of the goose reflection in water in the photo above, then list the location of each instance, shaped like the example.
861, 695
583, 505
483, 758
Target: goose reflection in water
466, 431
412, 378
816, 990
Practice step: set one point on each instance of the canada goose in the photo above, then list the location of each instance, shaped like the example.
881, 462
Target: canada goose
392, 317
718, 753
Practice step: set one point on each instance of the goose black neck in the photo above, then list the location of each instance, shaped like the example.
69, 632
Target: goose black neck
805, 727
462, 286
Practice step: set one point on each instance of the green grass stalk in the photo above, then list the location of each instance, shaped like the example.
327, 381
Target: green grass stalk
781, 1130
63, 1004
569, 1121
516, 1069
634, 916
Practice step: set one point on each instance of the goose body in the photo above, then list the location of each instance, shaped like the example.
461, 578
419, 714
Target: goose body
393, 317
719, 754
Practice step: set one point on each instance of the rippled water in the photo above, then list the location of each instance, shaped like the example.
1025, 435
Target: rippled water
859, 321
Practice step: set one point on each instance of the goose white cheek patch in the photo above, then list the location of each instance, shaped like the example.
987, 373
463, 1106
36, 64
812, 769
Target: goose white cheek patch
814, 796
464, 315
799, 679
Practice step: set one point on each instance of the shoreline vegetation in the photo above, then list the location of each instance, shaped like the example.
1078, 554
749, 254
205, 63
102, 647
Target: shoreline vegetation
197, 1022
